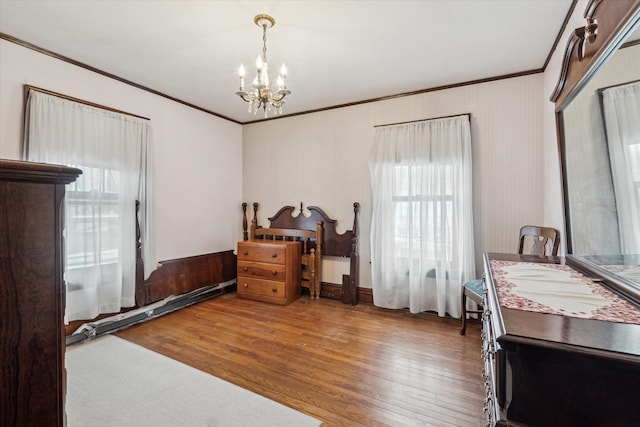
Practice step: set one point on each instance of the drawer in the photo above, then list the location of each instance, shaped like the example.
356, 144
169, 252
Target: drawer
254, 286
262, 253
262, 270
495, 370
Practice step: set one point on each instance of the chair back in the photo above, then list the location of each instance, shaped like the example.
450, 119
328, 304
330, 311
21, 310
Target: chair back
541, 241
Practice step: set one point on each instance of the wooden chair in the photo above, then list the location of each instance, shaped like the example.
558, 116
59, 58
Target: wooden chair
540, 241
542, 238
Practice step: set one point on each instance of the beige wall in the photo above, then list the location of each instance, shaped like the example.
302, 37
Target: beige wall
198, 156
321, 159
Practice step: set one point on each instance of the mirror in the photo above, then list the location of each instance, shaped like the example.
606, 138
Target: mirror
599, 134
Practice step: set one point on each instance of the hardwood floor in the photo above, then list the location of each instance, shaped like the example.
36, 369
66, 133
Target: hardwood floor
344, 365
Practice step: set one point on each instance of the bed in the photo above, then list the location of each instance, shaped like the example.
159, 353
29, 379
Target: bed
320, 238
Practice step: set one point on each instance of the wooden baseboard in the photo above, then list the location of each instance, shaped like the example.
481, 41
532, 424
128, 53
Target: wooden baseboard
365, 295
334, 291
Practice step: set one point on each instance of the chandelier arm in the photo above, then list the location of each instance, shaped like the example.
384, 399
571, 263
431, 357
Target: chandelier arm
278, 98
244, 97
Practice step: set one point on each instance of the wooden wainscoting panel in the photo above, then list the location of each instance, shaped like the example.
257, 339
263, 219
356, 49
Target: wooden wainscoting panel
344, 365
182, 275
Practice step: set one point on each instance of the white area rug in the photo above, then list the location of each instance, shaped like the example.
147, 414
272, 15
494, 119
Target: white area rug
113, 382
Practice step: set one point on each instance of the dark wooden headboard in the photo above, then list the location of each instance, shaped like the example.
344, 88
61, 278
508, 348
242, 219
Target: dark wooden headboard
335, 244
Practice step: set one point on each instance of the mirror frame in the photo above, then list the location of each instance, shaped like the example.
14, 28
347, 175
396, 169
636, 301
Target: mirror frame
608, 24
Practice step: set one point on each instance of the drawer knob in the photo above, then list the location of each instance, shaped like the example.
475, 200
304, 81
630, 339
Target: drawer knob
274, 272
274, 255
245, 268
245, 253
246, 286
274, 290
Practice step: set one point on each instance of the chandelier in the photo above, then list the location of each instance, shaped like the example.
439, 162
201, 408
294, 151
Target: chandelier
260, 94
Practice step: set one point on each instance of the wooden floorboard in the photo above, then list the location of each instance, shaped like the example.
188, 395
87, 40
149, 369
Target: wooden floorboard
344, 365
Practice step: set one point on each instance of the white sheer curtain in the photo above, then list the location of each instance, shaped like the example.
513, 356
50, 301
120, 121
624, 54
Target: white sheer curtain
115, 154
621, 106
422, 248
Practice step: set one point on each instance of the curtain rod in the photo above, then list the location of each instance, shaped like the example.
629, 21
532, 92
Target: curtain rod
424, 120
602, 89
27, 88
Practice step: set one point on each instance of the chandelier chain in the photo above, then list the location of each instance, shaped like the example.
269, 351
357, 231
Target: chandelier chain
264, 42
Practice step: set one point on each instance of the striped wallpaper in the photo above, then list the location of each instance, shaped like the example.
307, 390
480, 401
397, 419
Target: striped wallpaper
321, 159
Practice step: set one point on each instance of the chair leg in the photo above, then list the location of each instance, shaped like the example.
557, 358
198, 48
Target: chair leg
463, 329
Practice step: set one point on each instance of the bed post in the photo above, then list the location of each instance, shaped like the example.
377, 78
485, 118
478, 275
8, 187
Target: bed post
350, 295
317, 262
139, 286
255, 213
245, 235
252, 230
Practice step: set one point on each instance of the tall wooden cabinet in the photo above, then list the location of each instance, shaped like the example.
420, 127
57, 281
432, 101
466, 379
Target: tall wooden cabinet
32, 293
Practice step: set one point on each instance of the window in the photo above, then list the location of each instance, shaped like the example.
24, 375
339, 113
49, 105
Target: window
422, 247
114, 152
94, 227
418, 212
634, 165
621, 108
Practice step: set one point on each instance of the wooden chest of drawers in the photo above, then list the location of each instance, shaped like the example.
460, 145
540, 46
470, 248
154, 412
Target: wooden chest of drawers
32, 293
269, 271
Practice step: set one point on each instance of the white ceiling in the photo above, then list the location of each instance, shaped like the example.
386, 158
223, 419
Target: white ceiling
337, 52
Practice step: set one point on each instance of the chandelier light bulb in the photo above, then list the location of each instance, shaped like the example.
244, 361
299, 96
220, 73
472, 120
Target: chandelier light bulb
241, 74
283, 70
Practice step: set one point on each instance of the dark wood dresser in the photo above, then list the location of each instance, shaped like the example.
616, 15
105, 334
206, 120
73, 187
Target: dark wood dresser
32, 293
553, 370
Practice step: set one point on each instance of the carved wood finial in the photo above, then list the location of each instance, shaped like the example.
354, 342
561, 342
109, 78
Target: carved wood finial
577, 45
588, 34
356, 209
